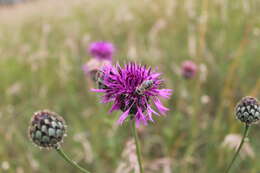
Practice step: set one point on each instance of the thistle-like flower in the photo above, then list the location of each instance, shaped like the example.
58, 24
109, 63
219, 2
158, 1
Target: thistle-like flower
188, 69
248, 110
102, 50
47, 129
131, 89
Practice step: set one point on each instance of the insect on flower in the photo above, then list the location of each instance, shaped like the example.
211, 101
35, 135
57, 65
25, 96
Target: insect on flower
132, 89
145, 85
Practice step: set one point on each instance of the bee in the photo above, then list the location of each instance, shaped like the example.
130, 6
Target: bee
145, 85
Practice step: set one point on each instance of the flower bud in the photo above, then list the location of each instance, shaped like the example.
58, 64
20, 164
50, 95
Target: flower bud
47, 129
248, 110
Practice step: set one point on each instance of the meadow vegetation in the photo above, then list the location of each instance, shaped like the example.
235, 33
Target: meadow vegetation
43, 46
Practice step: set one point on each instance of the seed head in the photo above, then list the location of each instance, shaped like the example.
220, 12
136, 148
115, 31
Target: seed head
248, 110
47, 129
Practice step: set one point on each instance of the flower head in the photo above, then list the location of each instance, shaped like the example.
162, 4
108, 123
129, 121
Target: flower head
248, 110
131, 89
47, 129
102, 50
188, 69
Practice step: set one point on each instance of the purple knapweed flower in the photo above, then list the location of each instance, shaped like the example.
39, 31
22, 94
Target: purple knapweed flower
188, 69
102, 50
131, 89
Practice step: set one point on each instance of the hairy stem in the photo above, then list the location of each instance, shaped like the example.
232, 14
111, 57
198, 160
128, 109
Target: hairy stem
138, 151
239, 148
70, 161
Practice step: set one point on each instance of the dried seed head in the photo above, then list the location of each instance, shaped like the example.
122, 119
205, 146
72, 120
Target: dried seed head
248, 110
47, 129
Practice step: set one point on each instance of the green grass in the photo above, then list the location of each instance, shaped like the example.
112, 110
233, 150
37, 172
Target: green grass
40, 67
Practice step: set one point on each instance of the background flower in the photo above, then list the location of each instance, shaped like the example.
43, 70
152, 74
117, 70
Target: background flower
188, 69
102, 50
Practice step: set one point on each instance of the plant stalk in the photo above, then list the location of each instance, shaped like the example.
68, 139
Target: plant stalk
246, 131
138, 150
70, 161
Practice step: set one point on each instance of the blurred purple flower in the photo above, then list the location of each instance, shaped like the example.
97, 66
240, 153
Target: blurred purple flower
131, 88
102, 50
188, 69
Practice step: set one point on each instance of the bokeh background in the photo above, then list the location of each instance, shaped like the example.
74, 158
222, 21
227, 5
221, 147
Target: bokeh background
43, 45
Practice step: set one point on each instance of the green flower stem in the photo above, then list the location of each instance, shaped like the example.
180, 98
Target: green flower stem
138, 151
239, 148
73, 163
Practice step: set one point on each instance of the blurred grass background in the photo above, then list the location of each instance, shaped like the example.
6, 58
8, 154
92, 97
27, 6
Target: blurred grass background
43, 46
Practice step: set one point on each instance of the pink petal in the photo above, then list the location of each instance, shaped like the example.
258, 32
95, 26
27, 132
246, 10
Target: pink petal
152, 111
166, 93
115, 106
142, 116
159, 106
149, 113
123, 117
155, 75
97, 90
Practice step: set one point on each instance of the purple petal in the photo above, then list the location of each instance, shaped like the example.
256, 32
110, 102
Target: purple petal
159, 106
141, 116
149, 113
98, 90
153, 111
116, 106
123, 117
166, 93
155, 75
